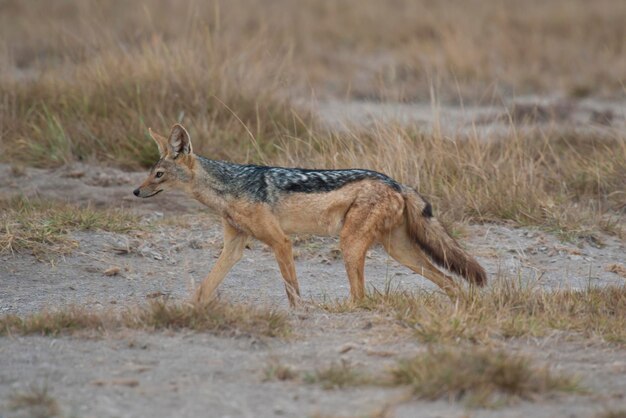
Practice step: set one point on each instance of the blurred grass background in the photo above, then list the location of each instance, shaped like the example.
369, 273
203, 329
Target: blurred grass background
83, 80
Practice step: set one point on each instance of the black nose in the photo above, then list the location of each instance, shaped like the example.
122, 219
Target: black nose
136, 192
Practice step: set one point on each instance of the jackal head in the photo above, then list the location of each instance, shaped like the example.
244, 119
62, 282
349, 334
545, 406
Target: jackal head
174, 168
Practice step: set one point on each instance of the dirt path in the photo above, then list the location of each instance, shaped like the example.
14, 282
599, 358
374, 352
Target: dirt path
494, 119
185, 374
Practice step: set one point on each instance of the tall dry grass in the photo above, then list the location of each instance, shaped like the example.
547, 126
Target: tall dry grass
82, 80
88, 78
364, 48
570, 183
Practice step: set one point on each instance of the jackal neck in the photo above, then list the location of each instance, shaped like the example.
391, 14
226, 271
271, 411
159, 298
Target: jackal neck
210, 182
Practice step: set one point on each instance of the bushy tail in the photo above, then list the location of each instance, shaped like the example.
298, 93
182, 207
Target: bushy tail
432, 237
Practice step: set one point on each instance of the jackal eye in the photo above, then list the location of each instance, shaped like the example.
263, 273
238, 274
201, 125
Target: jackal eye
159, 174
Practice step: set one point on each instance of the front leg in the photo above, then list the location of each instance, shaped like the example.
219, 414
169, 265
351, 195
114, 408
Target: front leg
266, 228
234, 244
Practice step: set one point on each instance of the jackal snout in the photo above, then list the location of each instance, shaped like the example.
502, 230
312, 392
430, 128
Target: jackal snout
140, 192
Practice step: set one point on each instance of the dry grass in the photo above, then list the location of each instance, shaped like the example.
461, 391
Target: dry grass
95, 91
36, 402
231, 69
339, 375
275, 370
83, 80
103, 109
42, 227
362, 48
568, 183
617, 413
507, 309
216, 317
617, 268
481, 377
66, 320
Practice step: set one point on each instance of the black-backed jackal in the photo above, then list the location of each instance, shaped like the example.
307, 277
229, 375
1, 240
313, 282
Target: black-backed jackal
363, 207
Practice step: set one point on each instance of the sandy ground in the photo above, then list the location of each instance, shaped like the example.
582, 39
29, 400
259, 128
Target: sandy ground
492, 118
186, 374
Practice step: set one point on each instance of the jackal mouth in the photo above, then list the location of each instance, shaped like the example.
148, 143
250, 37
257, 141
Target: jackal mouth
153, 194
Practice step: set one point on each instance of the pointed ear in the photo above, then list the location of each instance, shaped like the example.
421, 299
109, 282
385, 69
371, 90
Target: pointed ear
160, 140
179, 142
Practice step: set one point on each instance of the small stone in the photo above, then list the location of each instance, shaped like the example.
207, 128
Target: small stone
618, 367
155, 295
346, 347
131, 383
112, 271
146, 251
196, 244
617, 268
75, 174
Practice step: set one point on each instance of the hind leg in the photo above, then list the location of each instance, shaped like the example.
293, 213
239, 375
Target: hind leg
284, 256
399, 246
354, 245
367, 219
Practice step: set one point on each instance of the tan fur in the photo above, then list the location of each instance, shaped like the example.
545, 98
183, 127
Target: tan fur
362, 213
330, 208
